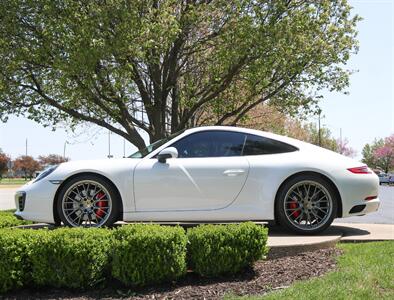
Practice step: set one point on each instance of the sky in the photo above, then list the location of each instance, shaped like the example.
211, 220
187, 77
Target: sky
366, 113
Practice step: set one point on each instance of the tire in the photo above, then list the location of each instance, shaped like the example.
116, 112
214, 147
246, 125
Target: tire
88, 201
294, 208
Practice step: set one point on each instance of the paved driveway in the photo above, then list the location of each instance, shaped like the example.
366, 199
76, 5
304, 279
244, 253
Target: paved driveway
385, 214
7, 198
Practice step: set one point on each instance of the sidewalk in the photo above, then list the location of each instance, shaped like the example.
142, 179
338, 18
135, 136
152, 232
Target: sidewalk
365, 232
285, 244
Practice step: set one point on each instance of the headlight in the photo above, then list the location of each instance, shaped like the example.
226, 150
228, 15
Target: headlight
45, 173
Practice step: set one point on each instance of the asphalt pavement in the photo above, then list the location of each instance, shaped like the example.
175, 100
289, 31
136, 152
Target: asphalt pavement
7, 198
385, 214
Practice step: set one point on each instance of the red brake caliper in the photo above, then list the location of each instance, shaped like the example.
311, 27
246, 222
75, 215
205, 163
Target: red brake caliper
100, 212
292, 205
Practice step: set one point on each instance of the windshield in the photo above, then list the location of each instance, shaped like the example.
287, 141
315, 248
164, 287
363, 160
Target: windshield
152, 147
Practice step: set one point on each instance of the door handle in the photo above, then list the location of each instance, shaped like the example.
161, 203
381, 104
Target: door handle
233, 172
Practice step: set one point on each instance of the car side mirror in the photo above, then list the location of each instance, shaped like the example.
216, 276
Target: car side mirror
166, 153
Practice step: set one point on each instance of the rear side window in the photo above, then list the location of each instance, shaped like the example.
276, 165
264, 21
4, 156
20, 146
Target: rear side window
258, 145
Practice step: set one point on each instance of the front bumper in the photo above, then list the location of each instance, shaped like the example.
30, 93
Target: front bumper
34, 201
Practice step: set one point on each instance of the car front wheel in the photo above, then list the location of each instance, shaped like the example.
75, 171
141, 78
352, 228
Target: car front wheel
306, 204
88, 201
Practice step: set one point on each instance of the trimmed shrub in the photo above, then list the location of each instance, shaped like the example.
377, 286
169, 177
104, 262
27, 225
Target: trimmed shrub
145, 254
70, 257
7, 219
14, 265
225, 249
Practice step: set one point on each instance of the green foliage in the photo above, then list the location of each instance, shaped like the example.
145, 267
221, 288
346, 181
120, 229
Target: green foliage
183, 62
70, 257
136, 255
225, 249
368, 153
14, 249
7, 219
145, 254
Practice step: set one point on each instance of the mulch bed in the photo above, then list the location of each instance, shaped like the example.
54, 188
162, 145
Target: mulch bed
263, 277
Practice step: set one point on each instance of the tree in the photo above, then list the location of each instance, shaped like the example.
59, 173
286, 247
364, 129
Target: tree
51, 159
384, 155
4, 162
269, 118
368, 153
26, 164
344, 148
157, 66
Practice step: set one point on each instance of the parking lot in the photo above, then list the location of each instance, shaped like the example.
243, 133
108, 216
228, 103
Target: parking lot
385, 214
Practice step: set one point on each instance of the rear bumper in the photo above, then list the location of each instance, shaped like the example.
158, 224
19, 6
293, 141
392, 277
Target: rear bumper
354, 190
363, 208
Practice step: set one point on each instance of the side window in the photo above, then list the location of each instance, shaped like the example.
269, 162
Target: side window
211, 144
258, 145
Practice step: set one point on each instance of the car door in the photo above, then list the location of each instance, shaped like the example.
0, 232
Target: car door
209, 173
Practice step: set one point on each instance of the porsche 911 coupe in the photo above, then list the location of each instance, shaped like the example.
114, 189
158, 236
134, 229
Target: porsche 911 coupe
206, 174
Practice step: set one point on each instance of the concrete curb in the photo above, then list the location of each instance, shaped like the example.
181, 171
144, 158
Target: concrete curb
281, 251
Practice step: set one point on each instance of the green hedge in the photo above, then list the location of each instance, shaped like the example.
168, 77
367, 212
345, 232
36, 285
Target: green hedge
145, 254
7, 219
70, 257
225, 249
136, 255
14, 263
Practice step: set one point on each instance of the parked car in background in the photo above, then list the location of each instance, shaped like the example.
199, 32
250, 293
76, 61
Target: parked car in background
391, 178
383, 178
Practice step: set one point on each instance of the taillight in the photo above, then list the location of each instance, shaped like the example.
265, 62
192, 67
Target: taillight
360, 170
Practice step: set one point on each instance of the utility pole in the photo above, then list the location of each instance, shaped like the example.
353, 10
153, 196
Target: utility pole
340, 135
124, 147
64, 149
109, 145
26, 148
319, 133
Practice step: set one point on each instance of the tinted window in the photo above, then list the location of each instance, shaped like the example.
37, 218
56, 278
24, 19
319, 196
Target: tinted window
210, 144
257, 145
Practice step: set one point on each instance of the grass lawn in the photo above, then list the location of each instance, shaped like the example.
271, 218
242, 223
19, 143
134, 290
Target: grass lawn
365, 271
13, 182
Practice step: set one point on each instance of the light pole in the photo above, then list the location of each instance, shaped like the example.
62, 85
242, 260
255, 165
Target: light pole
124, 147
109, 145
319, 133
64, 149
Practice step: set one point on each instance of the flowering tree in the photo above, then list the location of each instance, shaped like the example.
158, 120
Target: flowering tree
344, 149
368, 153
384, 155
4, 159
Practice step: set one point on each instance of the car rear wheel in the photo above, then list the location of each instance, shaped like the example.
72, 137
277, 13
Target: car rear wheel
88, 201
306, 204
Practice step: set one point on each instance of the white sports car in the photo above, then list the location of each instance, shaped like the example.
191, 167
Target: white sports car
206, 174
